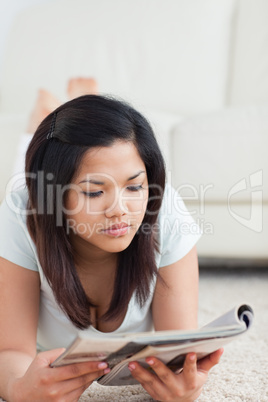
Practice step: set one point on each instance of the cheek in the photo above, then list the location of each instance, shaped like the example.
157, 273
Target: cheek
80, 205
74, 202
138, 205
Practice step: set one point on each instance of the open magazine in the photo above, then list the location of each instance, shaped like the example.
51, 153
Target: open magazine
170, 347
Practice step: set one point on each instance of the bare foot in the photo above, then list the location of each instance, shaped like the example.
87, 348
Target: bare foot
45, 104
81, 86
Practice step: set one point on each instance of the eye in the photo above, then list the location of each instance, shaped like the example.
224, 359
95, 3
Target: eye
135, 188
92, 194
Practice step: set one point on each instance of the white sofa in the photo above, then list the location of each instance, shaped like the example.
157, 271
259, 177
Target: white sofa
198, 69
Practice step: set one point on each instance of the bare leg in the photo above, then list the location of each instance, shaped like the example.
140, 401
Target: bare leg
45, 104
81, 86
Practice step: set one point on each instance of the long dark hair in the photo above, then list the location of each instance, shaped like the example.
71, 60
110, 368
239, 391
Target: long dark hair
53, 159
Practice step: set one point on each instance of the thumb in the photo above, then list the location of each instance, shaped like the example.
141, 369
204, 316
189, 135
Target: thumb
209, 361
48, 357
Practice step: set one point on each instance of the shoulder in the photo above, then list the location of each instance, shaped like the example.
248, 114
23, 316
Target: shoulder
15, 202
173, 210
16, 244
13, 209
177, 230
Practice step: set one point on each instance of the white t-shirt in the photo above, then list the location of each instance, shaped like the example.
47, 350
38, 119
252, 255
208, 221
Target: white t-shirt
177, 233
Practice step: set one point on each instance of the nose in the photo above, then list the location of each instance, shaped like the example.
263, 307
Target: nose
116, 208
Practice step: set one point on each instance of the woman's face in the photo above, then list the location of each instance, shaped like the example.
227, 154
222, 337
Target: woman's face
108, 198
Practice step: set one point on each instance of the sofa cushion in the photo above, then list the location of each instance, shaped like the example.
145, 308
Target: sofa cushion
223, 154
11, 127
171, 55
233, 235
163, 124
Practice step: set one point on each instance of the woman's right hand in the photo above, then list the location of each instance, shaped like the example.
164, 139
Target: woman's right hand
41, 383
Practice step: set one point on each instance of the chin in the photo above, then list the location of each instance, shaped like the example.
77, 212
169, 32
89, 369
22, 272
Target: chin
116, 245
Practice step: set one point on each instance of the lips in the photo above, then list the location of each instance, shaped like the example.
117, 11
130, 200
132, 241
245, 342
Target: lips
117, 226
117, 230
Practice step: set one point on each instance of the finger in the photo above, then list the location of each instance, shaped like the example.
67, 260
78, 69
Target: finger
209, 361
77, 370
164, 373
69, 371
82, 382
74, 387
149, 381
189, 372
75, 395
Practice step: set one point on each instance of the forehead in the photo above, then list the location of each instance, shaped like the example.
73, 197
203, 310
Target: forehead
121, 159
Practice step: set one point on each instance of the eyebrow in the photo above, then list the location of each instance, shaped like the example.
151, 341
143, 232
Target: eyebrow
136, 175
101, 183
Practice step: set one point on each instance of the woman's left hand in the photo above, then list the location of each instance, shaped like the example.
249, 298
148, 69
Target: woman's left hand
165, 385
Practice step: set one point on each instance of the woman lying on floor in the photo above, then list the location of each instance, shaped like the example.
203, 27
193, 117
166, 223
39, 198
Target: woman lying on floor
90, 236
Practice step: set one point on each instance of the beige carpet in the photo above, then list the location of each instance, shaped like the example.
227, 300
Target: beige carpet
242, 374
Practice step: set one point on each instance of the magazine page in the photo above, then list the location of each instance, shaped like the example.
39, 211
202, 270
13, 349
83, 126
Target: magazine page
117, 347
91, 349
173, 356
239, 315
232, 323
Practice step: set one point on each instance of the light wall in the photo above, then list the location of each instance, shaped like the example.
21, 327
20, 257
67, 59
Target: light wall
8, 11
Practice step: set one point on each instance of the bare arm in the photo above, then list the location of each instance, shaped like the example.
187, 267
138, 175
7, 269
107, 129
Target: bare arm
19, 307
25, 376
175, 306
